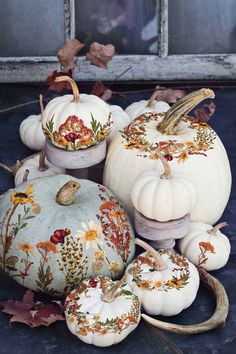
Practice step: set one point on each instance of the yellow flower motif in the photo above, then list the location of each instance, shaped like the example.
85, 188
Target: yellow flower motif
114, 267
101, 135
158, 284
23, 197
90, 235
26, 247
99, 255
183, 157
97, 266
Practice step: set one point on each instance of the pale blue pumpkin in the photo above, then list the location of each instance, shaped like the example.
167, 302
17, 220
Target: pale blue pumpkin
51, 247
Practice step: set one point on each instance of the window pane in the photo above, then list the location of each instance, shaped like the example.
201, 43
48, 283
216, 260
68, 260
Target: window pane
130, 25
202, 26
31, 27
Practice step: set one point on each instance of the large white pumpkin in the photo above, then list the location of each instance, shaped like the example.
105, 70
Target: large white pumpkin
77, 121
191, 146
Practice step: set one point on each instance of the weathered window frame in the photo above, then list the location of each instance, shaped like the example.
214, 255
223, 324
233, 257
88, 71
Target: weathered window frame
142, 67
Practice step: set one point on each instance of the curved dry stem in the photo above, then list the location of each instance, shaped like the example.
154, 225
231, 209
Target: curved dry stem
66, 194
217, 227
152, 99
166, 165
73, 85
41, 106
218, 318
12, 169
25, 176
42, 165
174, 115
156, 255
111, 294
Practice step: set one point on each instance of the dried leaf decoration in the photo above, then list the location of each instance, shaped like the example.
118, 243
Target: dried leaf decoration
99, 54
101, 91
33, 314
168, 95
66, 55
204, 113
58, 86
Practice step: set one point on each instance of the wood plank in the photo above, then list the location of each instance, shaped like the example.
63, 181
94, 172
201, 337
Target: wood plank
69, 13
163, 29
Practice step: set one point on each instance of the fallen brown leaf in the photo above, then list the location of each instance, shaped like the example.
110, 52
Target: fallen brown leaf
168, 95
58, 86
66, 55
103, 92
99, 54
204, 113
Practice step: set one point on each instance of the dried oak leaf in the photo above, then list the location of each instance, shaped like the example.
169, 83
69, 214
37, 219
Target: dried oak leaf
66, 55
205, 112
58, 86
101, 91
31, 313
99, 54
168, 95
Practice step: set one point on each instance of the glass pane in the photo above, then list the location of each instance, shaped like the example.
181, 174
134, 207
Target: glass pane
31, 27
130, 25
203, 26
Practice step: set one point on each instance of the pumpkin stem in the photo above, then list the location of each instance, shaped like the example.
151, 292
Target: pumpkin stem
156, 255
66, 194
152, 99
25, 176
73, 85
174, 115
12, 169
41, 106
111, 294
42, 165
217, 227
166, 165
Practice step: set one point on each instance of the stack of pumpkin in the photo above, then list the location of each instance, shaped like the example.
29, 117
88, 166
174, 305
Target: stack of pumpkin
65, 236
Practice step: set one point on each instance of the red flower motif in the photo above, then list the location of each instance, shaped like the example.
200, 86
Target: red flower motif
59, 236
92, 283
168, 157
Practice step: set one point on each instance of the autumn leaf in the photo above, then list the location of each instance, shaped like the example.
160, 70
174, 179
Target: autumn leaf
99, 54
102, 91
66, 55
58, 86
204, 113
31, 313
168, 95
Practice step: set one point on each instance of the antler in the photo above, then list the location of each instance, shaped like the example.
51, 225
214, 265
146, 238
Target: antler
215, 321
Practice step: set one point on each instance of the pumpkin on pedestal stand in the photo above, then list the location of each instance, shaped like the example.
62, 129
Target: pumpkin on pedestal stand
76, 127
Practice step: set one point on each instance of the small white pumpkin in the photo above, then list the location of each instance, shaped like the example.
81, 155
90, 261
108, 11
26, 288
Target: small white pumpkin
31, 132
163, 196
206, 246
37, 166
77, 121
102, 312
120, 120
164, 288
137, 108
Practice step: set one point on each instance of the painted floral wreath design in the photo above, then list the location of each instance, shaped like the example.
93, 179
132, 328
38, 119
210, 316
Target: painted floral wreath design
135, 138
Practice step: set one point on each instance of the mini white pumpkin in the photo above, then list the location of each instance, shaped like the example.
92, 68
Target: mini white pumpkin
137, 108
102, 312
163, 196
120, 120
206, 246
37, 166
165, 288
31, 132
77, 121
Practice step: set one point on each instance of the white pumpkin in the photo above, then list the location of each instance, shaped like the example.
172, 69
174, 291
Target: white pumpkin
31, 132
102, 312
37, 166
206, 246
76, 121
163, 196
120, 120
166, 288
192, 147
137, 108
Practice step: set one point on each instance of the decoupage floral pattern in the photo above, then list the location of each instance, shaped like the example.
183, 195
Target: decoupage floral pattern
92, 322
144, 264
73, 134
135, 137
205, 247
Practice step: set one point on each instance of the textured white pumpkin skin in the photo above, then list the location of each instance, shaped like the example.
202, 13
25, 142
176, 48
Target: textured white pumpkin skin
61, 245
163, 199
63, 117
34, 172
166, 292
190, 248
120, 120
209, 169
135, 109
31, 132
88, 301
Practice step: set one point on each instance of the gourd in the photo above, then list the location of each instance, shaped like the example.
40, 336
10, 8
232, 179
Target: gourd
31, 132
102, 312
166, 287
37, 166
137, 108
206, 246
163, 196
120, 120
77, 121
190, 146
53, 237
